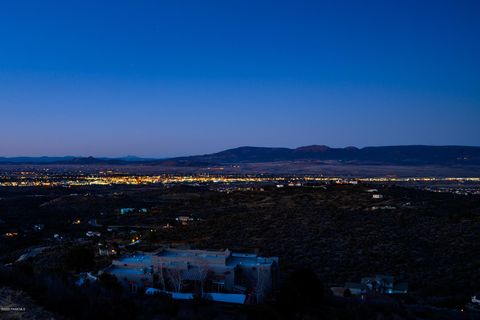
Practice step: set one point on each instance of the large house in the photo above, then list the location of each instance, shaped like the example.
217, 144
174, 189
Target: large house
198, 271
383, 284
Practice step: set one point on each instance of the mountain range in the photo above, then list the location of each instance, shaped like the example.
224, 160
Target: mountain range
388, 155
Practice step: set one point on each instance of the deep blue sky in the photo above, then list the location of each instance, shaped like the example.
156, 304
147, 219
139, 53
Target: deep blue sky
165, 78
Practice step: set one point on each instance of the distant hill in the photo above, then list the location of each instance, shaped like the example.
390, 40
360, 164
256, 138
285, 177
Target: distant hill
73, 160
91, 161
389, 155
61, 160
13, 160
398, 155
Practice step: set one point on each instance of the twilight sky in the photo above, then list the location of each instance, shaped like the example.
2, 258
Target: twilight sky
166, 78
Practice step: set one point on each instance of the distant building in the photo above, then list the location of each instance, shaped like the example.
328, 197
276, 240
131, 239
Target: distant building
398, 288
383, 284
84, 278
106, 250
476, 299
11, 234
91, 234
474, 303
338, 291
294, 184
133, 210
184, 220
355, 288
93, 223
202, 271
383, 208
126, 210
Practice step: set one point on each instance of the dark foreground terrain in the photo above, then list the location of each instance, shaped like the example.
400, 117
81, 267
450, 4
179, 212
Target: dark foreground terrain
332, 233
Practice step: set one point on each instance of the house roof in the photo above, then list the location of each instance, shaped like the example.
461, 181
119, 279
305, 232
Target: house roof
402, 286
172, 253
338, 291
182, 296
119, 271
355, 285
136, 258
226, 297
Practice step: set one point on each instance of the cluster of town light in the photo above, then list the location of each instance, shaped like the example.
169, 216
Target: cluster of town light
28, 179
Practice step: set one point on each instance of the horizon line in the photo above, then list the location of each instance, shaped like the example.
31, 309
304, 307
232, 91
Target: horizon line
231, 148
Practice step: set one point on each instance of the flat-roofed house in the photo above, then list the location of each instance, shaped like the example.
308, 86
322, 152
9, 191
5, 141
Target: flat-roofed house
356, 288
133, 271
385, 284
126, 210
199, 271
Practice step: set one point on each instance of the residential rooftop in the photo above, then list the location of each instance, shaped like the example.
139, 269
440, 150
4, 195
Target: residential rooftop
136, 258
119, 271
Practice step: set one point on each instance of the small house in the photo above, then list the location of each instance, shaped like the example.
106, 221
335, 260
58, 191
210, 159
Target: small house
356, 288
126, 210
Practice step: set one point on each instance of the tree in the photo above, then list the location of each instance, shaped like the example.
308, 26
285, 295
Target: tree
110, 282
175, 276
79, 258
202, 271
301, 290
261, 285
160, 270
347, 293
